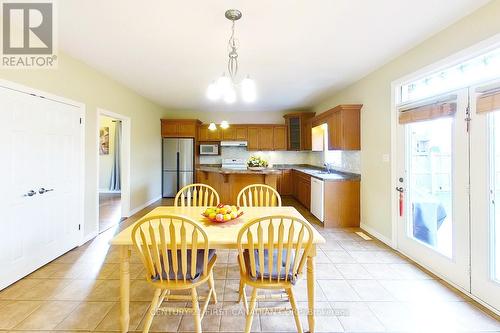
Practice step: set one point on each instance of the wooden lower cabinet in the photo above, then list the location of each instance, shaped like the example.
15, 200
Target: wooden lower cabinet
285, 185
342, 203
302, 188
229, 185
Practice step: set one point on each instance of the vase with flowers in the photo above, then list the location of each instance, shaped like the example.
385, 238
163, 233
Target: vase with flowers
257, 163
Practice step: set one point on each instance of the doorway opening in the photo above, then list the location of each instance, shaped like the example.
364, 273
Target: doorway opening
113, 165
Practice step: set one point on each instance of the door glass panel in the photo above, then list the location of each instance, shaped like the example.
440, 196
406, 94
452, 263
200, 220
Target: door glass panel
495, 192
429, 166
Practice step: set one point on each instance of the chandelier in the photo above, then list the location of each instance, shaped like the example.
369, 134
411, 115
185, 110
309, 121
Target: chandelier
226, 87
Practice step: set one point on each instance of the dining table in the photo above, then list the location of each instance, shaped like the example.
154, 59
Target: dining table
221, 236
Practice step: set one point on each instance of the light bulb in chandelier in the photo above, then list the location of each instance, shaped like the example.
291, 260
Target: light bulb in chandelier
248, 90
224, 124
213, 91
224, 84
230, 95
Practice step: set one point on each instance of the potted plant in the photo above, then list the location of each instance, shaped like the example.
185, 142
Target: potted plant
256, 163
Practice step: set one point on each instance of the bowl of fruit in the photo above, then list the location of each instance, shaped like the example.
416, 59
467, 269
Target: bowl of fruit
222, 213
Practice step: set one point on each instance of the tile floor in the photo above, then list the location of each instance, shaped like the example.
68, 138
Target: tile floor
362, 286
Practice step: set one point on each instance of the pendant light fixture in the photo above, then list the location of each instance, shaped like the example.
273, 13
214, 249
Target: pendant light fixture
226, 87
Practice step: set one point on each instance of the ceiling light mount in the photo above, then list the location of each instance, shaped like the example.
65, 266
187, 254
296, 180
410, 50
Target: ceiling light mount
233, 14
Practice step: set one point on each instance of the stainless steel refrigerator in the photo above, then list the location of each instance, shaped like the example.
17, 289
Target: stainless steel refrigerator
178, 165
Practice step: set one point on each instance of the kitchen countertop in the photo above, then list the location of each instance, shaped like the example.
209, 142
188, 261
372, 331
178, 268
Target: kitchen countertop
313, 171
319, 173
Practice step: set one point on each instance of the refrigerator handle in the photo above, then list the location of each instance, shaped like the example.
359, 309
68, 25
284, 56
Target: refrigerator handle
178, 171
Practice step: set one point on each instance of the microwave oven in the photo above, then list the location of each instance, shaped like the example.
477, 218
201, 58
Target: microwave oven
209, 149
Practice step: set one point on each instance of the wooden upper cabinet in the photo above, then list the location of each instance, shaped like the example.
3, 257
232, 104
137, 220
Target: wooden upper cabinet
168, 128
253, 138
181, 128
279, 138
266, 138
204, 134
306, 136
241, 132
344, 127
229, 133
299, 132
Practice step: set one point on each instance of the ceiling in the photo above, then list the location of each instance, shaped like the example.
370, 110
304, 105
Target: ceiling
297, 51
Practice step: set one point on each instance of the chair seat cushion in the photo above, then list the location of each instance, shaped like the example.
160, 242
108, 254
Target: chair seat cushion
199, 265
264, 271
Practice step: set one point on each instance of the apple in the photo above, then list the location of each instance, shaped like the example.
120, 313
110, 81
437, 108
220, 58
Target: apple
219, 217
212, 215
227, 217
222, 211
234, 214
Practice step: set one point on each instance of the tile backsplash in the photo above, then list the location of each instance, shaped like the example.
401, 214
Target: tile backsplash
349, 161
273, 157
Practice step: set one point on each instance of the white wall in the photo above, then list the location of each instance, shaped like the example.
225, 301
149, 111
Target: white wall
106, 161
374, 92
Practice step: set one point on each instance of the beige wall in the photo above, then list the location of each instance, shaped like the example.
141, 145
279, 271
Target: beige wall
374, 91
79, 82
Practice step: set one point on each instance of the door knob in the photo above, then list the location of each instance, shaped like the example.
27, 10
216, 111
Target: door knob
30, 193
43, 190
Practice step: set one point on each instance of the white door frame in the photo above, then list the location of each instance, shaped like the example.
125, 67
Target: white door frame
125, 161
461, 56
82, 107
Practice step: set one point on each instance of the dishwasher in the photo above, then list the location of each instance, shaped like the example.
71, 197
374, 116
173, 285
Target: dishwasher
317, 198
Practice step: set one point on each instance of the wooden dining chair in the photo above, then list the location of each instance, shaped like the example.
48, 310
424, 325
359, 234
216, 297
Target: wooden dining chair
258, 195
272, 251
175, 252
193, 195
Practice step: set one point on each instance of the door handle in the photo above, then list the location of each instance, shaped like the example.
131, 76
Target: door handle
30, 193
43, 190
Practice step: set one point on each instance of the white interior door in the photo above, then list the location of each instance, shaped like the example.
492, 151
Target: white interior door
433, 227
485, 194
40, 196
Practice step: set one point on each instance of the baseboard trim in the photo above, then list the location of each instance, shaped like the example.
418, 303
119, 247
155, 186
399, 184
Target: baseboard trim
88, 238
104, 191
141, 207
376, 234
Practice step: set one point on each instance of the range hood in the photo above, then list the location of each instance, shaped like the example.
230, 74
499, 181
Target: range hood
233, 144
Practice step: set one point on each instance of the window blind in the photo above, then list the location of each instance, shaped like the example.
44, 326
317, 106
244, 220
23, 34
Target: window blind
427, 112
488, 102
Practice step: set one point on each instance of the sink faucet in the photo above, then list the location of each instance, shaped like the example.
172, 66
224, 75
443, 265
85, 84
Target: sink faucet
328, 167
